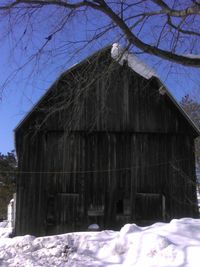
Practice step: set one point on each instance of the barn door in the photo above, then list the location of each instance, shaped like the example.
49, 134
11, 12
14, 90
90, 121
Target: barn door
150, 208
67, 214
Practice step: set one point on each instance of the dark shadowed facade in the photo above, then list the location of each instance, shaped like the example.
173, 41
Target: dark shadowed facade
104, 145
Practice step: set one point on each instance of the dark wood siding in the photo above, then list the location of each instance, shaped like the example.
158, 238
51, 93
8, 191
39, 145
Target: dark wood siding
100, 176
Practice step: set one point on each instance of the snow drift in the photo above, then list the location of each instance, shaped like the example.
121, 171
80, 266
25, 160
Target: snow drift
174, 244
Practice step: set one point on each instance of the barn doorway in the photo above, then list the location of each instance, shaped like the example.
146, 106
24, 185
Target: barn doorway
149, 208
62, 213
67, 211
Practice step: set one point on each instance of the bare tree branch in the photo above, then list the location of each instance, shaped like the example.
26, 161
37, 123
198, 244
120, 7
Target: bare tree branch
193, 10
44, 3
146, 47
178, 28
118, 12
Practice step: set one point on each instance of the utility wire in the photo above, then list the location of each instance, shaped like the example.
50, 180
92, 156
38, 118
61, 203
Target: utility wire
96, 171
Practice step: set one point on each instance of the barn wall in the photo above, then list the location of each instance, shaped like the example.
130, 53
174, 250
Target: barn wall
106, 178
31, 191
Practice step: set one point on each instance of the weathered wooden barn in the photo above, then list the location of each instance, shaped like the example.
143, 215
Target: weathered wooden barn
106, 144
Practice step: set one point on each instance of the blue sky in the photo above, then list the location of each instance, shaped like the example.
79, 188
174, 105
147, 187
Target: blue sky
25, 88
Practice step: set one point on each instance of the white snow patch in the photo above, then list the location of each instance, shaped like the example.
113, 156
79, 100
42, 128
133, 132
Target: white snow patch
93, 226
192, 56
3, 224
5, 230
160, 245
120, 55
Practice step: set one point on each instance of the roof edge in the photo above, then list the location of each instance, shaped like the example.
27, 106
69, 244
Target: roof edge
165, 89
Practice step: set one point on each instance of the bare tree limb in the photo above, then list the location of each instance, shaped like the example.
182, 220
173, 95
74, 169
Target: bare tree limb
178, 28
194, 10
122, 20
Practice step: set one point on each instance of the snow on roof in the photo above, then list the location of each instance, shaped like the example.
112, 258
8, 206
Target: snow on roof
121, 55
192, 56
160, 245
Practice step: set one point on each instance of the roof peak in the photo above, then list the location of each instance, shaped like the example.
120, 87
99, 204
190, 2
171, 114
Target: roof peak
121, 55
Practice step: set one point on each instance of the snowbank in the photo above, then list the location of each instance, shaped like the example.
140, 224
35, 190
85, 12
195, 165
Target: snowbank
5, 230
174, 244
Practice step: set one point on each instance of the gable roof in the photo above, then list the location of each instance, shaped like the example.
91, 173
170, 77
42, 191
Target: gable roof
138, 66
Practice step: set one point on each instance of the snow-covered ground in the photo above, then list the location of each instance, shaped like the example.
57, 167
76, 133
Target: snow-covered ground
162, 244
5, 230
198, 199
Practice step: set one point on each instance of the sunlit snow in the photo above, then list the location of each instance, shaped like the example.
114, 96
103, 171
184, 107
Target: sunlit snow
120, 55
192, 56
163, 244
